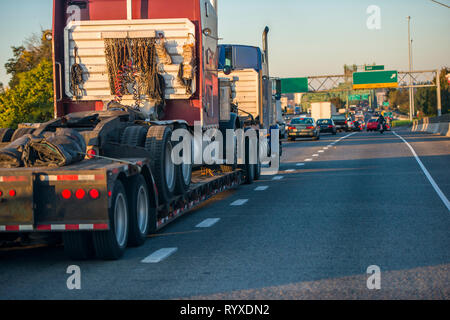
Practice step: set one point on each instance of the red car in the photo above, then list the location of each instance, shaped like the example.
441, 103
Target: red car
372, 125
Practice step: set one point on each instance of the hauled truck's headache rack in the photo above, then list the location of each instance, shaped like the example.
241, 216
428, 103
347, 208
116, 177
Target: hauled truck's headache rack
80, 197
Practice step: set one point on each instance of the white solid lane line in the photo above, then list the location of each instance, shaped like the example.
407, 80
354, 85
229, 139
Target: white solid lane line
262, 188
239, 202
208, 223
159, 255
427, 174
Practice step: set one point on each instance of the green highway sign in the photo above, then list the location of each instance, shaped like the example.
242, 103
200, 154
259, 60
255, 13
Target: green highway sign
375, 79
374, 68
357, 97
294, 85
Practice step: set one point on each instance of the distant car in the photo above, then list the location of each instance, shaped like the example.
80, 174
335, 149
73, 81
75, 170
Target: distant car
372, 125
362, 125
303, 128
356, 126
339, 122
350, 124
327, 126
282, 126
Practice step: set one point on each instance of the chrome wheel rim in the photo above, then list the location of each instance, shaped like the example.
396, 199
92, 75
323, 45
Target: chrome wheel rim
121, 220
186, 171
169, 168
142, 210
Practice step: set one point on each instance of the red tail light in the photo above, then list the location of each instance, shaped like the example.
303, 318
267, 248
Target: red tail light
1, 193
12, 193
310, 127
94, 194
330, 126
91, 153
80, 194
66, 194
291, 128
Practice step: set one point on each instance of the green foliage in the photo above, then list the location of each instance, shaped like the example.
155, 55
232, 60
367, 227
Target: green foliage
30, 94
28, 56
399, 123
425, 101
399, 99
445, 90
31, 99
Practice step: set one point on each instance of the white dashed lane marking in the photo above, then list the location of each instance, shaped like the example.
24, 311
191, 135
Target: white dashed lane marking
159, 255
239, 202
262, 188
300, 164
277, 178
208, 223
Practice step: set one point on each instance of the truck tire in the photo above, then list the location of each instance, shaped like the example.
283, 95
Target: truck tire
78, 245
21, 132
141, 214
6, 134
159, 144
111, 244
134, 136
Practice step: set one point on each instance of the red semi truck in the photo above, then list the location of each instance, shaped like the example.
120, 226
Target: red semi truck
127, 75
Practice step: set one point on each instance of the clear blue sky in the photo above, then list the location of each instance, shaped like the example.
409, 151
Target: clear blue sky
307, 37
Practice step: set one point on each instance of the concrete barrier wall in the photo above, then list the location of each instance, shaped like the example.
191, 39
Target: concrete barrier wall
440, 125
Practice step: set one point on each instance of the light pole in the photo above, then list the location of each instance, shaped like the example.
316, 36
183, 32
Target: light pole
411, 94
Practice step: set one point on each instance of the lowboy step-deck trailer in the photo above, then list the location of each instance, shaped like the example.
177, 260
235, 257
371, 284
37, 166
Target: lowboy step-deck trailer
127, 75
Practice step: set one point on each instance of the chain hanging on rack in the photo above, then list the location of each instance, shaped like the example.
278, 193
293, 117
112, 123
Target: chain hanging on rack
76, 77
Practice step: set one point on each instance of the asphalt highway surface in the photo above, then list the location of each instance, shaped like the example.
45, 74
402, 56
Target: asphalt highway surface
338, 206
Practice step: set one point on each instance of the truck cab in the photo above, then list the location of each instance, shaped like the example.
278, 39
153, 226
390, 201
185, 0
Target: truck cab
247, 68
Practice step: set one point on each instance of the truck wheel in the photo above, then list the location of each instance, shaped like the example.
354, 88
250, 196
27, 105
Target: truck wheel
111, 244
78, 245
6, 134
159, 144
141, 213
134, 136
21, 132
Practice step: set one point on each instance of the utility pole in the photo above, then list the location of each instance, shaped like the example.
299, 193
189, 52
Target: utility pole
411, 94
